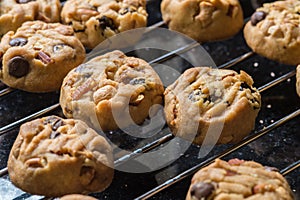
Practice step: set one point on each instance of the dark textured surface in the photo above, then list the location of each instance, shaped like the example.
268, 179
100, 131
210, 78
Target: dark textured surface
278, 148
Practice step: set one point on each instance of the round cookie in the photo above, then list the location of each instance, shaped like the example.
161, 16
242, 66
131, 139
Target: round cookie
94, 21
203, 20
238, 179
274, 31
206, 102
39, 55
14, 13
298, 80
111, 91
53, 157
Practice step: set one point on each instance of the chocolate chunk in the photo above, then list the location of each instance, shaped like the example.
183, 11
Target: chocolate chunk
195, 95
246, 86
24, 1
126, 10
18, 42
202, 190
18, 67
230, 11
137, 81
56, 124
54, 135
271, 169
106, 22
257, 17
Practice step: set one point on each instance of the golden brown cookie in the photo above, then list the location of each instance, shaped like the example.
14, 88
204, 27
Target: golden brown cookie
14, 13
53, 157
205, 101
203, 20
94, 21
238, 179
39, 55
274, 31
111, 91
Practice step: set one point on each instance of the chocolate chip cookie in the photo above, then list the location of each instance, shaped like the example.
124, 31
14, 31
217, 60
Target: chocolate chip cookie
94, 21
273, 31
39, 55
14, 13
203, 20
213, 104
238, 179
111, 91
54, 157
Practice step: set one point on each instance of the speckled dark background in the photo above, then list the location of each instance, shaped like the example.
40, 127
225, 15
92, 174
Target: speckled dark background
278, 148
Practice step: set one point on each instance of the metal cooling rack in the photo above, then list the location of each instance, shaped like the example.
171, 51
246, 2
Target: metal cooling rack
163, 186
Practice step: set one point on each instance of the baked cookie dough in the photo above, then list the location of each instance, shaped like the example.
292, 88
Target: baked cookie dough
298, 80
205, 102
94, 21
111, 91
38, 56
274, 31
54, 157
14, 13
238, 179
203, 20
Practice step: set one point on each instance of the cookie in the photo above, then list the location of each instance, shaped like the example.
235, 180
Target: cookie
54, 157
274, 31
94, 21
238, 179
39, 55
203, 20
77, 197
111, 91
298, 80
14, 13
205, 101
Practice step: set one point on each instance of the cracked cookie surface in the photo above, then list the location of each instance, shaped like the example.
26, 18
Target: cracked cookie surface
238, 179
14, 13
203, 20
96, 20
273, 31
53, 157
204, 102
39, 55
111, 91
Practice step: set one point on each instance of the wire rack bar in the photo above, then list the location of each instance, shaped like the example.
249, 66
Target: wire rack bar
236, 60
277, 81
244, 142
30, 117
290, 168
6, 91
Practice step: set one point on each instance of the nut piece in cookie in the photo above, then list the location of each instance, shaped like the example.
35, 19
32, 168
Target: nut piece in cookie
217, 104
14, 13
203, 20
238, 179
38, 56
274, 31
111, 91
95, 21
54, 157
